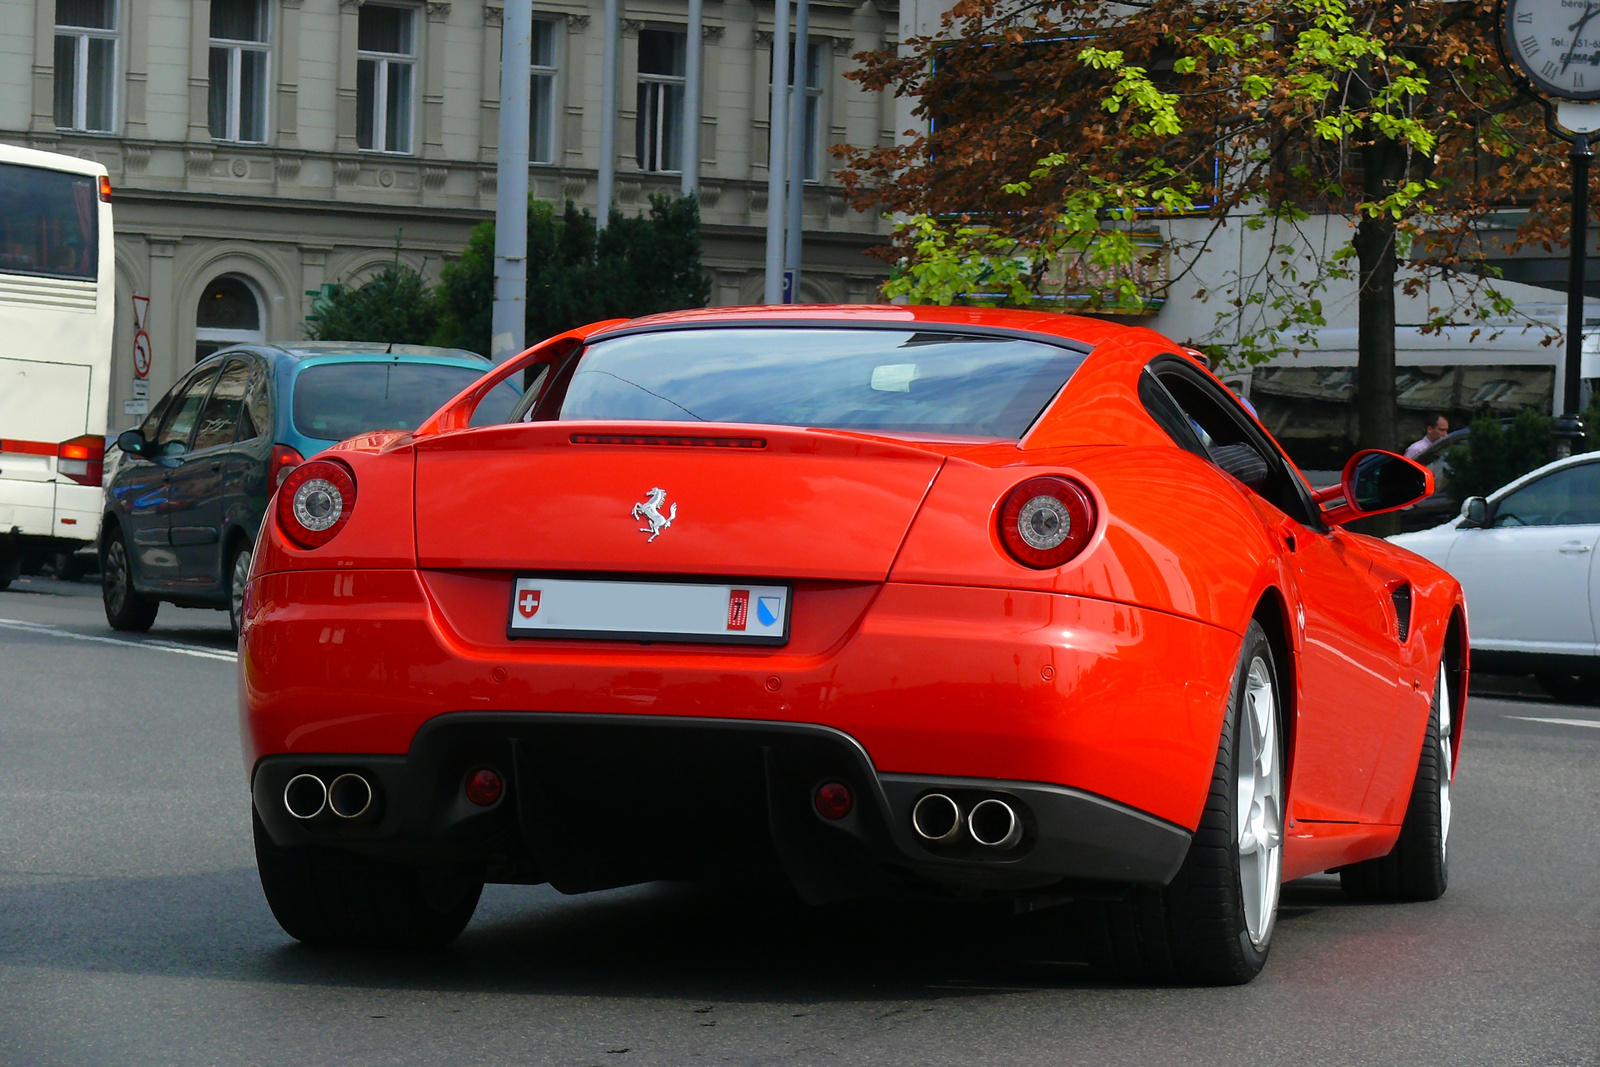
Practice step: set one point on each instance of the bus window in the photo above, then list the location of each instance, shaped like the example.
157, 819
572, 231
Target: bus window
49, 225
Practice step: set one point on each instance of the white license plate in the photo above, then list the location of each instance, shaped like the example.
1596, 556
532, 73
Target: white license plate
716, 612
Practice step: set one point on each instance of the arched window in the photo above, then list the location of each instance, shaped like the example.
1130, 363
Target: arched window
229, 314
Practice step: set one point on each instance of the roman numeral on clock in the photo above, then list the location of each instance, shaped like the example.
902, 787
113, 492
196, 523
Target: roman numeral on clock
1530, 46
1550, 69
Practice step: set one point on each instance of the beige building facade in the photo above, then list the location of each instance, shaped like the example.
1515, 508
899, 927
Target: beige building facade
261, 148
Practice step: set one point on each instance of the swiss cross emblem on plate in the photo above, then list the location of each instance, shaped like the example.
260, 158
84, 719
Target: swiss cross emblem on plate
528, 603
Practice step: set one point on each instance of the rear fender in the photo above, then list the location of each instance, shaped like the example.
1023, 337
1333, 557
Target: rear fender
380, 532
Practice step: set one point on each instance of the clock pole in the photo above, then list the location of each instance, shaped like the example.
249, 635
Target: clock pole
1569, 426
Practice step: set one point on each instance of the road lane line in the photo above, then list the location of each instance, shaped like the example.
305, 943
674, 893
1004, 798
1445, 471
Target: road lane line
1592, 723
155, 644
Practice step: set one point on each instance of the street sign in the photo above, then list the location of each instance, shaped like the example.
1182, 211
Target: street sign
788, 287
141, 339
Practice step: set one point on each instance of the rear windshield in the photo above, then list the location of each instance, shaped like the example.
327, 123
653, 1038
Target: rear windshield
49, 223
333, 401
910, 381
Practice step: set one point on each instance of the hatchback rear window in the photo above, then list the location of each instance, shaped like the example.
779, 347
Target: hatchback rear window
907, 381
49, 224
333, 401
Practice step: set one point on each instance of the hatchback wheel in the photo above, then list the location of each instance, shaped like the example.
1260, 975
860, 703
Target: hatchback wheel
238, 580
126, 607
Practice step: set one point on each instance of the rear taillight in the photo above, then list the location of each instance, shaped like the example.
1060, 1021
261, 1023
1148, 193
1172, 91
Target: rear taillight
284, 459
82, 459
1046, 521
105, 188
315, 502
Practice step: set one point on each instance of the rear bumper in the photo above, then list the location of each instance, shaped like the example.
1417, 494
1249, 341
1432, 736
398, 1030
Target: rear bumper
595, 801
933, 681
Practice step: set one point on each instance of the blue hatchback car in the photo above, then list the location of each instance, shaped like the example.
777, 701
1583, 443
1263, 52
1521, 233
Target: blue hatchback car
185, 499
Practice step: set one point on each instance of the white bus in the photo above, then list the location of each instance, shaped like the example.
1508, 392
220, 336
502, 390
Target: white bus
57, 297
1308, 400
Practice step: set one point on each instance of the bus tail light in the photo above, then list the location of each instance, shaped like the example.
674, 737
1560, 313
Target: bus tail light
105, 188
82, 459
284, 459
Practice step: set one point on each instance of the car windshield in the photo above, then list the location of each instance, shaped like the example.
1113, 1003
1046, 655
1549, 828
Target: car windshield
894, 380
333, 401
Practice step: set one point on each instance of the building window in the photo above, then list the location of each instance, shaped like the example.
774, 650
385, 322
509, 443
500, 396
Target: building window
237, 105
229, 314
660, 116
386, 61
542, 95
86, 64
813, 113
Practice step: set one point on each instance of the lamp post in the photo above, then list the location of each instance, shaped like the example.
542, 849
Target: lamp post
1552, 51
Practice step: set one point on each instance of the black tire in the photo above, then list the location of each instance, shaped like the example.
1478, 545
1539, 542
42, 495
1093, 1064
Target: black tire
126, 608
1571, 688
1194, 929
1419, 866
326, 898
240, 552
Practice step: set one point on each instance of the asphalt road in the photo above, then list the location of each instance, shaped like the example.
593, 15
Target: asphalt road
132, 929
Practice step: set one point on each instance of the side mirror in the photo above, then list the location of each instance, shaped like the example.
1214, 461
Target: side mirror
1374, 482
132, 442
1475, 514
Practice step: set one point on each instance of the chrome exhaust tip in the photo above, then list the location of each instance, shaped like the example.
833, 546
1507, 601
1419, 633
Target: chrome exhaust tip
349, 796
936, 818
994, 824
305, 796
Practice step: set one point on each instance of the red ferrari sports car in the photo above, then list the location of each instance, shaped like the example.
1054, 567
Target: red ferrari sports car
975, 603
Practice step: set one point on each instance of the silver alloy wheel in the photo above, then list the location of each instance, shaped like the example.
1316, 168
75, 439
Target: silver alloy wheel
1446, 771
1259, 803
115, 581
241, 578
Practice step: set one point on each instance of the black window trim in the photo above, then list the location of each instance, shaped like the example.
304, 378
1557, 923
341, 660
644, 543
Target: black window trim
1168, 363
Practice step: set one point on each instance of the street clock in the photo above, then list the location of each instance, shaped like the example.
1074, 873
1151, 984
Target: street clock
1556, 43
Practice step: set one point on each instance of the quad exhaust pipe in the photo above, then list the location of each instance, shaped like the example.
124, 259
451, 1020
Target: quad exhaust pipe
991, 822
347, 796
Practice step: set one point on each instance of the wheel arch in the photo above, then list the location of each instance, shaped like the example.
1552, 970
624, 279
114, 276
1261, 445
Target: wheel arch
1272, 613
1457, 666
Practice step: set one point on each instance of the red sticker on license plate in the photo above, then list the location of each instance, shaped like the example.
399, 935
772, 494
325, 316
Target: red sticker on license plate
738, 608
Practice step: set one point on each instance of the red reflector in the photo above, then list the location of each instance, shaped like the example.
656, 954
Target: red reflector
284, 459
738, 609
484, 787
834, 800
675, 442
105, 188
82, 459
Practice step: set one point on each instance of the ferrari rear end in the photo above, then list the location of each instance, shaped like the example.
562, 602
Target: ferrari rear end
720, 600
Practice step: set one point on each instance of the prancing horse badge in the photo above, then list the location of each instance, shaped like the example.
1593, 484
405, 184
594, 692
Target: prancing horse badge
649, 509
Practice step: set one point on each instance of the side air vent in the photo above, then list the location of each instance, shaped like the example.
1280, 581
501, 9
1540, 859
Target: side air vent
1402, 610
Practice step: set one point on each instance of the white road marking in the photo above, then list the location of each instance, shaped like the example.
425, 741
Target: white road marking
154, 643
1592, 723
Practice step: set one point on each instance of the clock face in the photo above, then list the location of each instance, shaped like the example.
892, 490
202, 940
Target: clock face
1557, 45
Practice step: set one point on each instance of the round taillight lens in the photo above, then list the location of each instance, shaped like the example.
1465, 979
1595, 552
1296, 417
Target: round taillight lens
833, 800
1046, 521
315, 501
484, 787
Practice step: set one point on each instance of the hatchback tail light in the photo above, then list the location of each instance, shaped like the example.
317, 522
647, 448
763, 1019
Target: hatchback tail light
315, 502
284, 459
82, 459
1044, 522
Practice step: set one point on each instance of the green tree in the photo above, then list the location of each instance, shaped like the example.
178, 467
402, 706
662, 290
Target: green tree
1370, 144
1497, 452
637, 266
395, 305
